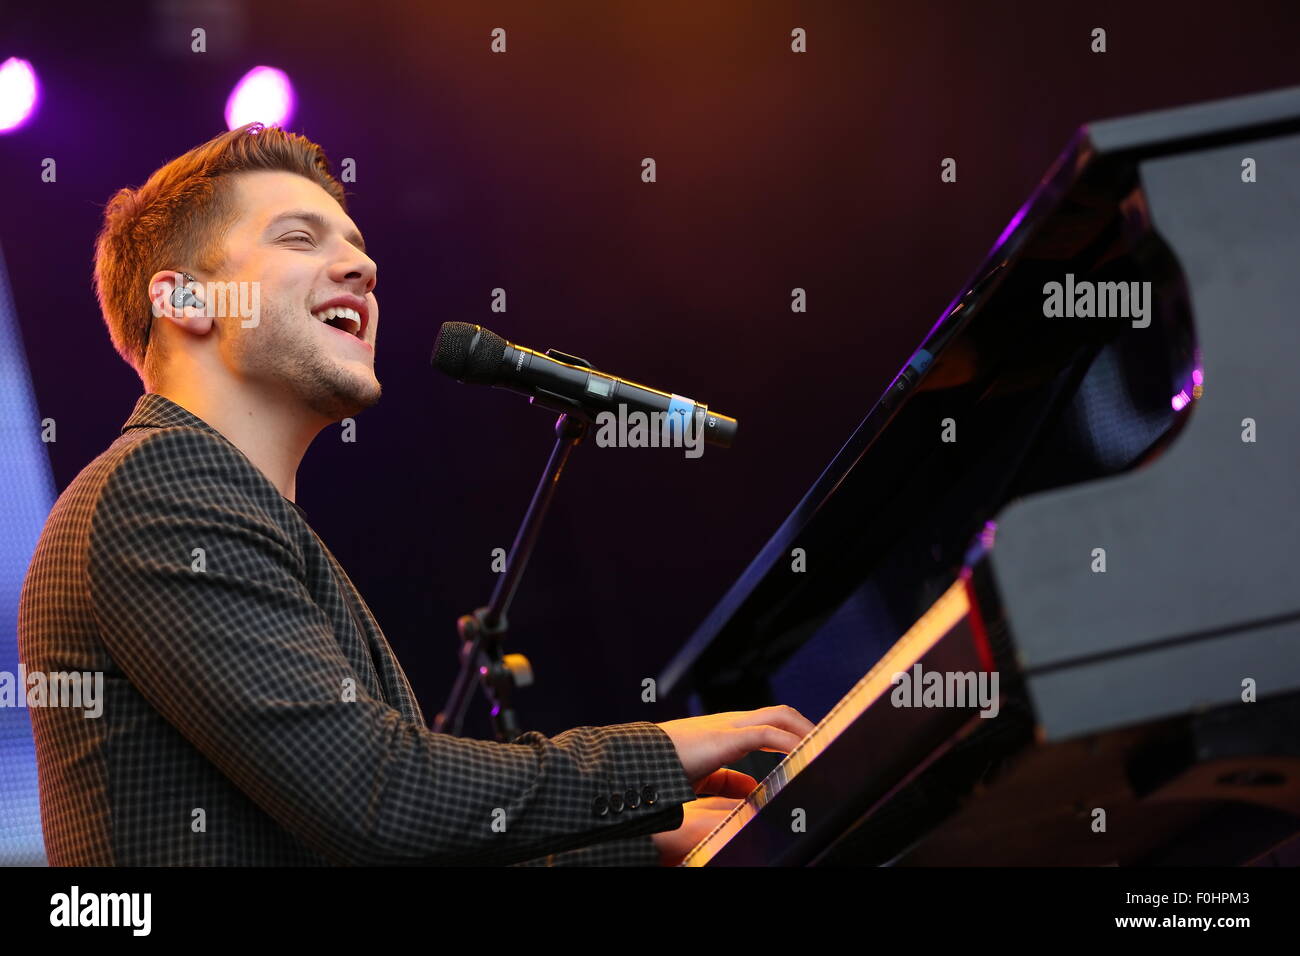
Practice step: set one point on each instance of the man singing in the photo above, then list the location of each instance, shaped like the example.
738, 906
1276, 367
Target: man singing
253, 712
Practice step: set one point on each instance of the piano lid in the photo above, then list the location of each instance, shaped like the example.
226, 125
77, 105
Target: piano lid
1039, 397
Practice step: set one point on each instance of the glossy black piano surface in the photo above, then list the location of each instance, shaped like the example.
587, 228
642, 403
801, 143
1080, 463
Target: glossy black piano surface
1122, 688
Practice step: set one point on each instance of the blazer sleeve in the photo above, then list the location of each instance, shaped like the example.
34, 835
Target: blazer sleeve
238, 657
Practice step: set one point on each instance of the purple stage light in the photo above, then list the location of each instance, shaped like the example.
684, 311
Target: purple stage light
264, 95
19, 93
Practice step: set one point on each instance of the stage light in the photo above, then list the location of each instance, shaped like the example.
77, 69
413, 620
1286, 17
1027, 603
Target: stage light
264, 95
19, 93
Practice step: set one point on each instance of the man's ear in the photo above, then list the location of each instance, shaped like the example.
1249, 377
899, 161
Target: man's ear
189, 317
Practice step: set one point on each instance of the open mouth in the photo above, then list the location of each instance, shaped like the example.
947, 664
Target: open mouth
343, 318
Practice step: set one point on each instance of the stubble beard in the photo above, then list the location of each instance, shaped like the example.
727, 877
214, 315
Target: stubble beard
331, 391
292, 357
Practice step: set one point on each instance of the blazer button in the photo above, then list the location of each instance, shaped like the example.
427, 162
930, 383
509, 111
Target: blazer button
616, 802
649, 795
600, 806
632, 798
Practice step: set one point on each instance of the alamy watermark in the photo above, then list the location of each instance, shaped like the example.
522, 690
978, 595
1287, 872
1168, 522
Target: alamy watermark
1098, 300
242, 300
675, 428
918, 688
83, 689
129, 910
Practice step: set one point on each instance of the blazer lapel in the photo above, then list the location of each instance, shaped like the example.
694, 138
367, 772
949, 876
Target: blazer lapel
368, 649
392, 679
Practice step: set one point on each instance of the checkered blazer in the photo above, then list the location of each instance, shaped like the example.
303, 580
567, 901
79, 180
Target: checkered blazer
254, 714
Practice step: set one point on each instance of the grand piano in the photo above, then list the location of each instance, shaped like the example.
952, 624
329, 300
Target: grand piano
1091, 497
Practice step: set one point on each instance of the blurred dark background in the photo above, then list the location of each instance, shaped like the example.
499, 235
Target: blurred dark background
477, 170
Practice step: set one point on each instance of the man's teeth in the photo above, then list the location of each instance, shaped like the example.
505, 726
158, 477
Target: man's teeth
349, 320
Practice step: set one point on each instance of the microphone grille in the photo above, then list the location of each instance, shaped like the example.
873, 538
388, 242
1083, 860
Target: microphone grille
468, 353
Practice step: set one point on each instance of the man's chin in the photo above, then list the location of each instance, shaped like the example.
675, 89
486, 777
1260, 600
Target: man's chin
347, 399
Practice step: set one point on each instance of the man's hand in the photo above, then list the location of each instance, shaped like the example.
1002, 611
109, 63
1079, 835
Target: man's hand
699, 817
705, 743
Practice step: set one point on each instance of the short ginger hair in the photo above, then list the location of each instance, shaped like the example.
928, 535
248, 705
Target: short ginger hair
178, 220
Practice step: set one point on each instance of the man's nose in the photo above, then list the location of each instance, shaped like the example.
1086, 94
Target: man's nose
356, 267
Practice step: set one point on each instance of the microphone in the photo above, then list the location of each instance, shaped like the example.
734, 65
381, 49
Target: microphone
473, 355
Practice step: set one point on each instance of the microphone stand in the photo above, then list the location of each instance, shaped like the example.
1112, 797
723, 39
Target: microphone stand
481, 633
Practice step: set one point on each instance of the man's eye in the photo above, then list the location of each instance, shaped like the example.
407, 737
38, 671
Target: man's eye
296, 237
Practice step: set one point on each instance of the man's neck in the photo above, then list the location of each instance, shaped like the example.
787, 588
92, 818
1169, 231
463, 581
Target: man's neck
272, 432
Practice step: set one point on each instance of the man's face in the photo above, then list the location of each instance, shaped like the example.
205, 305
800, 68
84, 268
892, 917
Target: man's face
292, 238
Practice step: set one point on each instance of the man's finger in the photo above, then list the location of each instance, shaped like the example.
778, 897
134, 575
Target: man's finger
779, 715
769, 738
727, 783
713, 804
